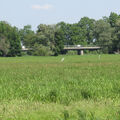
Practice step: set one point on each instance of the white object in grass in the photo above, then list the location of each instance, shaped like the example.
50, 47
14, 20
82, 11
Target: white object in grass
62, 59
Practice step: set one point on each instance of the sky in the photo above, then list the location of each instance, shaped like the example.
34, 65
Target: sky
34, 12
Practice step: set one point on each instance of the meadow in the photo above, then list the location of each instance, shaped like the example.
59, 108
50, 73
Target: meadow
44, 88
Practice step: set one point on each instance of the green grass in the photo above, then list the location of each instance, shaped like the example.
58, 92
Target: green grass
44, 88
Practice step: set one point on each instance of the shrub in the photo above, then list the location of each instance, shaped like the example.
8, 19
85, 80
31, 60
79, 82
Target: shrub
72, 52
40, 50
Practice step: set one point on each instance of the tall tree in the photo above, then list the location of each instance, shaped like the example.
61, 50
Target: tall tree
4, 45
11, 38
59, 43
15, 43
103, 35
27, 36
66, 35
117, 36
87, 25
45, 34
113, 19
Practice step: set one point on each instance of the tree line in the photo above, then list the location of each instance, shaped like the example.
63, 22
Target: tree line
50, 39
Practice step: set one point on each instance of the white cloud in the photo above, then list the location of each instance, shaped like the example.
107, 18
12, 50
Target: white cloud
42, 7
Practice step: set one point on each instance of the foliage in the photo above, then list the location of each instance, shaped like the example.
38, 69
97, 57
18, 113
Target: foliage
113, 19
104, 32
59, 45
87, 25
103, 35
4, 46
45, 34
117, 37
72, 52
10, 40
27, 36
40, 50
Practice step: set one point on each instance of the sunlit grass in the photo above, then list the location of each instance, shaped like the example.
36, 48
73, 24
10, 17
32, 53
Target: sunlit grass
46, 88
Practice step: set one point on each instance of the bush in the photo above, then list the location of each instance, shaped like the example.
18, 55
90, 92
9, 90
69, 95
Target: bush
40, 50
72, 52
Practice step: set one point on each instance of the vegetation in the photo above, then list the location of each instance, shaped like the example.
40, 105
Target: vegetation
80, 88
64, 87
87, 32
40, 50
9, 40
72, 52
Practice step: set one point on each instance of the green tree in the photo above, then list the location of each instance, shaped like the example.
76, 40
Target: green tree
117, 36
45, 34
27, 36
76, 35
66, 32
87, 26
113, 19
11, 39
59, 43
103, 35
4, 45
15, 43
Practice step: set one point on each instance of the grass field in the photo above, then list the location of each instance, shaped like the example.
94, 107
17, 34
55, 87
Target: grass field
44, 88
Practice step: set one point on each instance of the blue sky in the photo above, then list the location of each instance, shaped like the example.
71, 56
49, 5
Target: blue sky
35, 12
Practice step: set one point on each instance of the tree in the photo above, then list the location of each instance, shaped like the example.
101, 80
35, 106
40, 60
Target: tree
66, 32
113, 19
76, 35
117, 36
15, 43
10, 39
4, 45
45, 34
27, 36
103, 35
87, 26
59, 43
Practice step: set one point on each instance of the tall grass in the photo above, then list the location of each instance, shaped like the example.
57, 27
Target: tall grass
48, 80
